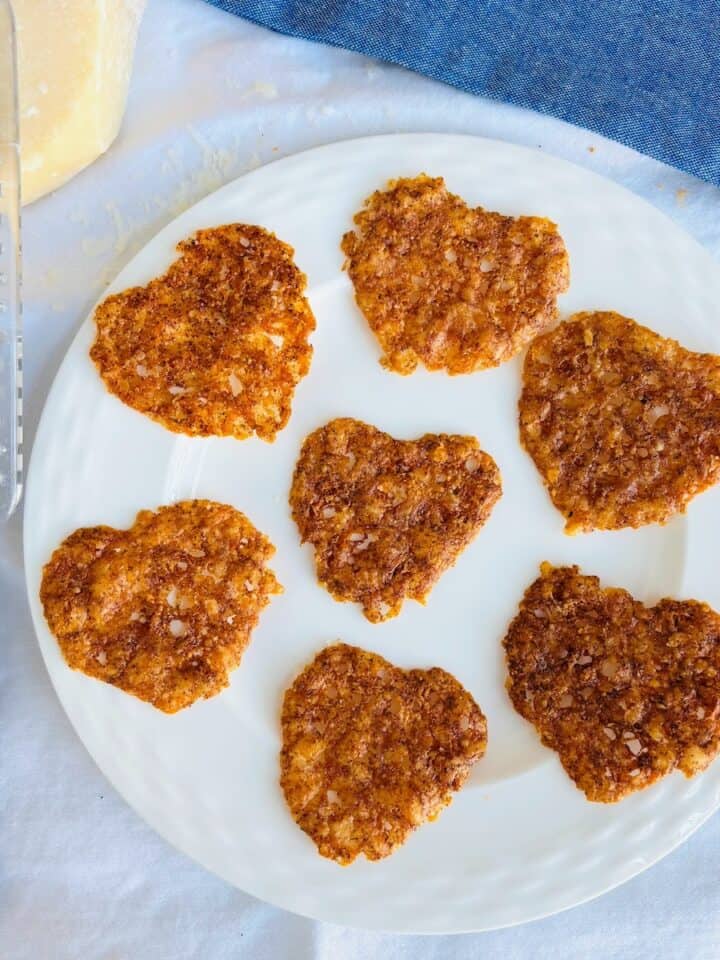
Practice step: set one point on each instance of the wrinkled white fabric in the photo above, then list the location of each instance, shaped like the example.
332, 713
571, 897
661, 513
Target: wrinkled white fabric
82, 876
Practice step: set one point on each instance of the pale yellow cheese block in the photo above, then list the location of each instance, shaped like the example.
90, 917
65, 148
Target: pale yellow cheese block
74, 58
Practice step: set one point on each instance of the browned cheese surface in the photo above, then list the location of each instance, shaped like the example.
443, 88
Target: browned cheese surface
623, 424
165, 609
218, 343
386, 517
448, 286
623, 692
369, 751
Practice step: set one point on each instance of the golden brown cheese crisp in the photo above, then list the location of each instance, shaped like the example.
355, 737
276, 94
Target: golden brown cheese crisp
623, 424
623, 692
369, 751
448, 286
387, 516
217, 344
165, 609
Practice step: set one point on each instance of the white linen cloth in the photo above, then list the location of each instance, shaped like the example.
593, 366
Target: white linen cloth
82, 876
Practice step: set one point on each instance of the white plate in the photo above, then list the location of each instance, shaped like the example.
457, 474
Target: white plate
519, 841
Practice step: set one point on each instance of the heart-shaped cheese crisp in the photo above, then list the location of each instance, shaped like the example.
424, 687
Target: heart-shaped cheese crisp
165, 609
623, 424
448, 286
217, 344
386, 516
370, 751
623, 692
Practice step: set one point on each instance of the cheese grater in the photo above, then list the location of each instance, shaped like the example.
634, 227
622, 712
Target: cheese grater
10, 308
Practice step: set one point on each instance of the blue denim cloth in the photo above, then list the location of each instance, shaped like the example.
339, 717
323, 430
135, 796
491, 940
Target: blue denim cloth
646, 73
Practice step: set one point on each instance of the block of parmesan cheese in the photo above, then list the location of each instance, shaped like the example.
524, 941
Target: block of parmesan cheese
74, 60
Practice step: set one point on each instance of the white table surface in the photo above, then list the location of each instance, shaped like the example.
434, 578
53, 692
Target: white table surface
81, 876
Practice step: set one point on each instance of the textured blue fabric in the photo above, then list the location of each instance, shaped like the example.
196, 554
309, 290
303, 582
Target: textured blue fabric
646, 73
